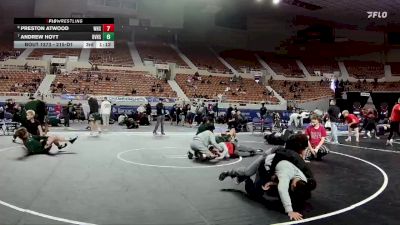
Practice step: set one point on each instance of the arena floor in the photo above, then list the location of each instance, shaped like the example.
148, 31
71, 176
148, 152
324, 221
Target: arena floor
133, 177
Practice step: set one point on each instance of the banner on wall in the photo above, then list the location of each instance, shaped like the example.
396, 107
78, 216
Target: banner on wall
138, 99
73, 97
162, 66
256, 73
122, 98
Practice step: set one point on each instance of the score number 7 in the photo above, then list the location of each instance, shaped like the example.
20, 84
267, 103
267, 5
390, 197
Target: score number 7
108, 27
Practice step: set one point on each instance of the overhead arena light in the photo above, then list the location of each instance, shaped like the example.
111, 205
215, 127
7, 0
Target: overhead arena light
275, 2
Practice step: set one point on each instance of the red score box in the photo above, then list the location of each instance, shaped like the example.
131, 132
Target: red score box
108, 27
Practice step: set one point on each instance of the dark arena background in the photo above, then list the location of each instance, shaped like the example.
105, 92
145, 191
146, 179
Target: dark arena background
199, 112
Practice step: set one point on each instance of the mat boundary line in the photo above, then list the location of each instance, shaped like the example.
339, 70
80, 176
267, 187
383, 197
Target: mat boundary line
353, 206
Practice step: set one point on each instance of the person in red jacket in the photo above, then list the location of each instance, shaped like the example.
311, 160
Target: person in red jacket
353, 122
394, 122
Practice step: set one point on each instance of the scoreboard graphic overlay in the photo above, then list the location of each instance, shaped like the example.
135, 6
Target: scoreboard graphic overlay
64, 33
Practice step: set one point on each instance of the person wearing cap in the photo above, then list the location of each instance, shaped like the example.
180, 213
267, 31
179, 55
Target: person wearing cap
394, 123
160, 117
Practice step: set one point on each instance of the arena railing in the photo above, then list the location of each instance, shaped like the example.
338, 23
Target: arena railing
33, 58
115, 65
16, 94
240, 102
311, 99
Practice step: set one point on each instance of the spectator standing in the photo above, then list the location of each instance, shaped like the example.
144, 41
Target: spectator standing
148, 111
333, 113
263, 111
160, 117
105, 112
394, 123
94, 116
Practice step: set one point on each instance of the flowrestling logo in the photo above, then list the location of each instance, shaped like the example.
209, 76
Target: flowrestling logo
375, 14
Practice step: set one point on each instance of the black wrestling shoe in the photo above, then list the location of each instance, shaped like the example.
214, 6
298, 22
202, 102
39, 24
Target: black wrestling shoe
190, 155
223, 175
240, 179
62, 146
73, 140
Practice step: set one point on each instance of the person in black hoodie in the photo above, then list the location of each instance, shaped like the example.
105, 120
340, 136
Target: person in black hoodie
148, 111
65, 113
333, 113
160, 117
94, 115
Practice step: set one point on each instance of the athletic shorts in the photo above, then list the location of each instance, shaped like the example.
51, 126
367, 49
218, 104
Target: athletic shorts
94, 117
353, 126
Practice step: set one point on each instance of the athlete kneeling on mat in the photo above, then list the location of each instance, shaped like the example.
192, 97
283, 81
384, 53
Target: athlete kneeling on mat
40, 144
316, 134
200, 145
283, 167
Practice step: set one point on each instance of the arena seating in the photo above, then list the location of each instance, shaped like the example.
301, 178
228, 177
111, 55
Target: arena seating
241, 59
7, 50
158, 52
20, 81
283, 66
119, 83
119, 56
203, 58
301, 90
395, 67
56, 53
322, 65
365, 69
211, 86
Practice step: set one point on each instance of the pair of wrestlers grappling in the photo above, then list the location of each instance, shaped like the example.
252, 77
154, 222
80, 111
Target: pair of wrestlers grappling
279, 171
35, 139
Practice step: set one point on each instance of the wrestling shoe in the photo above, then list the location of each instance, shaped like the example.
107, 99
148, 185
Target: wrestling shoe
190, 155
62, 146
73, 140
239, 179
223, 175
